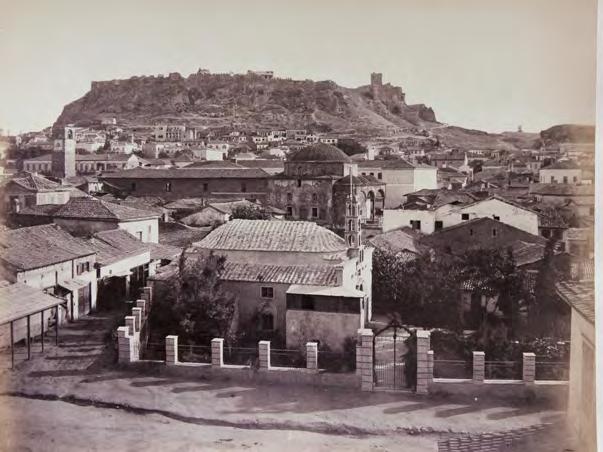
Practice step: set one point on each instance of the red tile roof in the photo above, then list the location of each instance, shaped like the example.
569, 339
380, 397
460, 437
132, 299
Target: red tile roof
321, 275
187, 173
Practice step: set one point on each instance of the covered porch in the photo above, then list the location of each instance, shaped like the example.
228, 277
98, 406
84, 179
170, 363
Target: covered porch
27, 313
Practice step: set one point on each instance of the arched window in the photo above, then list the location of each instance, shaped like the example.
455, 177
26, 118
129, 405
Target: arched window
314, 197
289, 197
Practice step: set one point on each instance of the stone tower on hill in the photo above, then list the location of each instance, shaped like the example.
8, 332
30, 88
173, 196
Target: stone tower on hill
63, 155
376, 84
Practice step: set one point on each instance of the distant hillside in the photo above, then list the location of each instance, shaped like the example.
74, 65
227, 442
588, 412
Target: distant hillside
223, 99
569, 133
249, 102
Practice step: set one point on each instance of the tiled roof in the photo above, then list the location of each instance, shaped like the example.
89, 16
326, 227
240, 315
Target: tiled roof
319, 152
562, 190
35, 182
40, 246
397, 241
583, 270
562, 164
102, 157
266, 235
385, 164
188, 173
321, 275
580, 296
163, 251
263, 163
114, 245
359, 180
219, 164
20, 300
43, 210
92, 208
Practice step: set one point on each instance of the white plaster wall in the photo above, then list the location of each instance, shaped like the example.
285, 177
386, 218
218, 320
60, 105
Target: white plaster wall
425, 178
149, 229
125, 264
546, 174
508, 214
398, 218
330, 328
583, 334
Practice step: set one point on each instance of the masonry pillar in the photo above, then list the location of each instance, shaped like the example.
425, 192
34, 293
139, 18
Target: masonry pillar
127, 286
423, 361
312, 355
430, 365
529, 367
264, 349
217, 352
131, 324
171, 350
364, 359
137, 314
479, 367
141, 303
125, 345
147, 294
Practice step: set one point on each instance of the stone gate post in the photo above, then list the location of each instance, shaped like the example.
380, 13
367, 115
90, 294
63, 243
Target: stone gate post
423, 377
364, 359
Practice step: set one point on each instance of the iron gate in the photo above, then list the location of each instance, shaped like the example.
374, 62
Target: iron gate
388, 357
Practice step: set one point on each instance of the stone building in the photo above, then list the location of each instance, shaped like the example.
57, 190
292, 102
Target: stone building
63, 154
316, 182
296, 279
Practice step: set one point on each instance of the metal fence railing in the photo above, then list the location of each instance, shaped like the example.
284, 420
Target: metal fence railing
245, 356
452, 368
503, 370
154, 351
552, 370
194, 353
287, 358
337, 362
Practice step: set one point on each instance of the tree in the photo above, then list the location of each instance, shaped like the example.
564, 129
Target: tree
548, 315
249, 212
493, 274
200, 306
351, 146
422, 290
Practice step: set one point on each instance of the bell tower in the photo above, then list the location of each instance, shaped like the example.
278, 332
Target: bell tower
352, 231
63, 155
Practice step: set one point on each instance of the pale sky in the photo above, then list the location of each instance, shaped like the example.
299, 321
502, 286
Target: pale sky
484, 64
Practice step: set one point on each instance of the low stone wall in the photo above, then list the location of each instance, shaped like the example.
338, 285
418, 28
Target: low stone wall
273, 375
553, 391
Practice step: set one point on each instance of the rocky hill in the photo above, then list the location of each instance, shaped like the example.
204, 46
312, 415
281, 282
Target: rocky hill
250, 100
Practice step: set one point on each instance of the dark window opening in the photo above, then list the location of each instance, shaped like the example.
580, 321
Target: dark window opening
267, 292
168, 186
289, 197
496, 217
308, 303
438, 225
379, 176
133, 186
243, 187
464, 216
470, 231
494, 232
299, 182
314, 212
416, 224
266, 321
205, 187
289, 211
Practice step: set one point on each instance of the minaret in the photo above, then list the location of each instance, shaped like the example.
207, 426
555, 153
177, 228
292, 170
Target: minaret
352, 221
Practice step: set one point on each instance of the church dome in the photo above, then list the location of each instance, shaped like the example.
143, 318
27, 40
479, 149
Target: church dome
320, 152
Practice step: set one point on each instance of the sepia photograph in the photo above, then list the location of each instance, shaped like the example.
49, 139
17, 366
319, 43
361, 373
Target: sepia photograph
298, 226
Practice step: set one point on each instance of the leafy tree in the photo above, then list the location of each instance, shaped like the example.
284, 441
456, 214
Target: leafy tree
548, 315
494, 275
249, 212
421, 291
351, 146
196, 302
